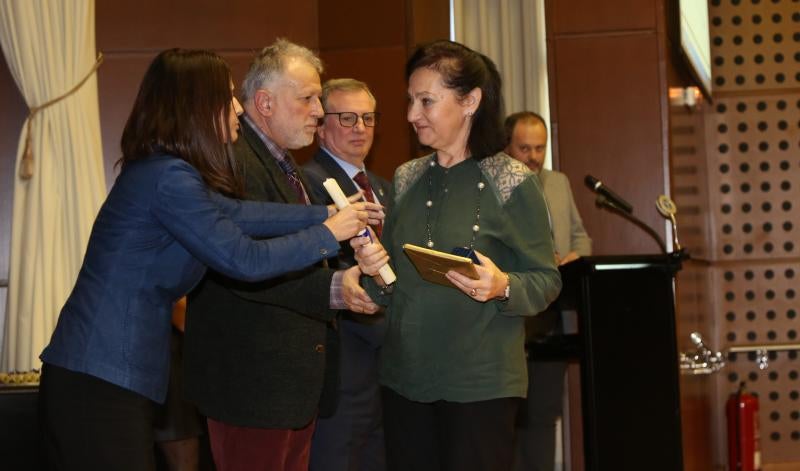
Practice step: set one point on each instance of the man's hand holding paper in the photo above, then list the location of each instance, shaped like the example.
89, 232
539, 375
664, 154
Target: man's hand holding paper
354, 295
369, 254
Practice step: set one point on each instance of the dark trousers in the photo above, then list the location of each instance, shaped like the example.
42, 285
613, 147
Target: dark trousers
176, 419
536, 430
448, 436
352, 438
91, 424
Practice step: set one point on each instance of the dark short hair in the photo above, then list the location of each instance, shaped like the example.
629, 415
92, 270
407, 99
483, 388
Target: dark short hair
181, 109
463, 70
524, 117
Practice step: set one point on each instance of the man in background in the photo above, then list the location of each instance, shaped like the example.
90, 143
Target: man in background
256, 353
527, 142
351, 439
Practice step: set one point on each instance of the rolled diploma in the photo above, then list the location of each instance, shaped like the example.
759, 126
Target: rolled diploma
340, 200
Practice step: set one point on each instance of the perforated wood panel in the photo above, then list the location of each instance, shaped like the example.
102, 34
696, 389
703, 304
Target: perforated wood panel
753, 147
754, 179
694, 312
759, 305
689, 180
754, 44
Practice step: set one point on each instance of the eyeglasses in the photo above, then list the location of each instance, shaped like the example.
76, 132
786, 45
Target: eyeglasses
349, 119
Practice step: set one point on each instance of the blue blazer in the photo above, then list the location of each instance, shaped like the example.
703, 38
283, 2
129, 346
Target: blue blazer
155, 235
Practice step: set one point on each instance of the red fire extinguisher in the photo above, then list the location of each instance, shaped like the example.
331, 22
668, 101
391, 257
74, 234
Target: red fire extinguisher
744, 437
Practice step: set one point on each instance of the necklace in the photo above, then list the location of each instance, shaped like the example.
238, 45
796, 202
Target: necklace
429, 204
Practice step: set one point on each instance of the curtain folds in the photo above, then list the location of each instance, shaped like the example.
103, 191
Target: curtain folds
512, 34
49, 46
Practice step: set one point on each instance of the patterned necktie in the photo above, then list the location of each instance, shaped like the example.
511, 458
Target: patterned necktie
294, 179
361, 179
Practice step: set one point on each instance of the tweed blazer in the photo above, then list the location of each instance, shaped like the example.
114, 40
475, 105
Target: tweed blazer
255, 353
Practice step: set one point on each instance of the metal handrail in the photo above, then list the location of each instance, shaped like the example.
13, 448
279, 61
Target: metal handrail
762, 351
774, 347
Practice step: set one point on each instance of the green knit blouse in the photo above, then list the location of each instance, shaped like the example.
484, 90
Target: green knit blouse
440, 343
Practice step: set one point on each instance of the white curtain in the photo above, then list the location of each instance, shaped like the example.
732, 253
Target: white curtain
512, 34
49, 46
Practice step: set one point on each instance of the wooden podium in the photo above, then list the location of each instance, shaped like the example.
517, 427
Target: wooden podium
626, 345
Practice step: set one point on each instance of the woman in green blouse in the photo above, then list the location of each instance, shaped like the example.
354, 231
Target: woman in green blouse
453, 363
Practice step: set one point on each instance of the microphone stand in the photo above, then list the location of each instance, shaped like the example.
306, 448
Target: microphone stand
604, 202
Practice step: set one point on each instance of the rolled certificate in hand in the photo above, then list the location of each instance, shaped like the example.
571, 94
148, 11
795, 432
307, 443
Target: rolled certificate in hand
340, 200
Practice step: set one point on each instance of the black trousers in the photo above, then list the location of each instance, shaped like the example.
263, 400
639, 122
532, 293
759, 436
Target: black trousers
536, 431
91, 424
448, 436
176, 419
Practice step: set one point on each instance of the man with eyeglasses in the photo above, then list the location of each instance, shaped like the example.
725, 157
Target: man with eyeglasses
351, 439
260, 358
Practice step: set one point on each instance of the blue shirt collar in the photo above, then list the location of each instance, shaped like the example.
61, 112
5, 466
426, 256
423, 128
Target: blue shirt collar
350, 169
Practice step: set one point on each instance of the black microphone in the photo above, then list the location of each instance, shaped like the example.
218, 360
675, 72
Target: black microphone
597, 186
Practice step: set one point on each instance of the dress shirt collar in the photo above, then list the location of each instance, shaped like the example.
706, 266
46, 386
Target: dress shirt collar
272, 147
350, 169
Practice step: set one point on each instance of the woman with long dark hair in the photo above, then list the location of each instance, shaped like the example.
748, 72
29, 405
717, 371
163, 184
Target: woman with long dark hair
453, 368
164, 222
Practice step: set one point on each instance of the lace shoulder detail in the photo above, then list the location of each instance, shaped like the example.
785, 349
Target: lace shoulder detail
504, 173
407, 174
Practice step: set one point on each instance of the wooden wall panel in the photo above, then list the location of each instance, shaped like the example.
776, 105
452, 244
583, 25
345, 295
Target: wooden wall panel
355, 36
369, 40
392, 136
588, 16
694, 313
610, 67
428, 20
753, 139
12, 117
125, 25
758, 305
694, 308
356, 24
118, 83
608, 123
130, 34
755, 45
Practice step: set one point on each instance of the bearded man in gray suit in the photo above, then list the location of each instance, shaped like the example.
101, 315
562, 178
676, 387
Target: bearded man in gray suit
527, 142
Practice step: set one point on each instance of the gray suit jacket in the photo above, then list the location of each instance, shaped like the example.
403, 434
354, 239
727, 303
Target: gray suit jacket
568, 236
568, 232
